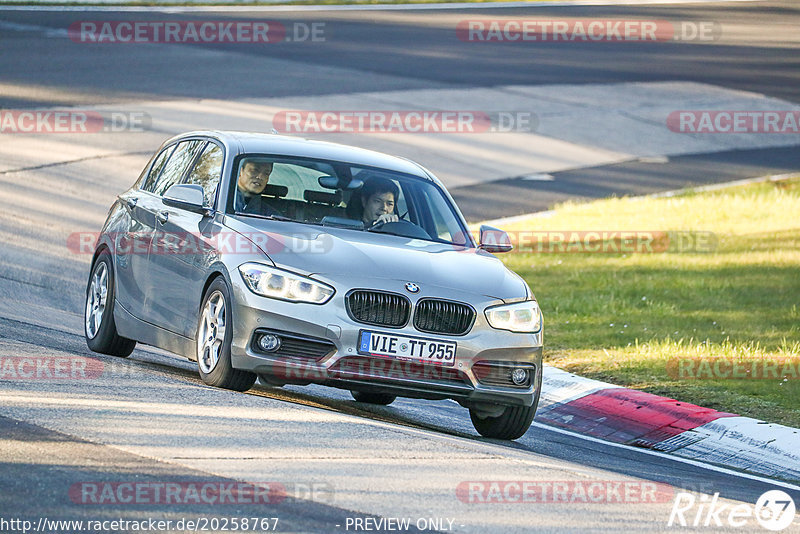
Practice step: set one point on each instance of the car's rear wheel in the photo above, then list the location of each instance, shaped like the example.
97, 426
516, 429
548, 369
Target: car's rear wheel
99, 327
511, 424
214, 334
373, 398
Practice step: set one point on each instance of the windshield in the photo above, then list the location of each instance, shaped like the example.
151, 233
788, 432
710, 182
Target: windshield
332, 193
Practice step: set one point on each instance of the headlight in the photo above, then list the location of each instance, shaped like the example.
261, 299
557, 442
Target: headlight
277, 284
519, 317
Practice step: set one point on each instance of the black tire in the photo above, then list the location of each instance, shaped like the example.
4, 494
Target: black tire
383, 399
511, 424
221, 374
103, 338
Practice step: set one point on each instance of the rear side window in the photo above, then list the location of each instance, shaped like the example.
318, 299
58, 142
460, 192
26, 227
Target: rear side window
177, 165
155, 170
207, 171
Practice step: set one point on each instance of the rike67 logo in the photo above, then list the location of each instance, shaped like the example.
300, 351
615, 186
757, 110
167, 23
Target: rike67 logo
774, 510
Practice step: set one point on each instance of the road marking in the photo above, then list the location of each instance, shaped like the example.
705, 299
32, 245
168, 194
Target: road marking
653, 159
665, 456
538, 177
48, 31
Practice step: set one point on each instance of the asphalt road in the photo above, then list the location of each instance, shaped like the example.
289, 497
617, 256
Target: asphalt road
756, 51
754, 48
150, 419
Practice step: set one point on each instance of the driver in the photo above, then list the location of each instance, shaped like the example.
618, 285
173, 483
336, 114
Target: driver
378, 200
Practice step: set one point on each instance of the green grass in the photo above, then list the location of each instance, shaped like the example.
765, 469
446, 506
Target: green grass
624, 318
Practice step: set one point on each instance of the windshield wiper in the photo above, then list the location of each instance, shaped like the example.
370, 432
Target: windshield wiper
267, 217
277, 218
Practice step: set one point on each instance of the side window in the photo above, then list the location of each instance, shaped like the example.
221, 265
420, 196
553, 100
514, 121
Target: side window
155, 170
207, 171
177, 165
446, 226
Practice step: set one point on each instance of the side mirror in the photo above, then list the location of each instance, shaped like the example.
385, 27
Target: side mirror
494, 240
189, 197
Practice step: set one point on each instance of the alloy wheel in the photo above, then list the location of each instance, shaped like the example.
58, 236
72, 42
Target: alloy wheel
211, 334
96, 300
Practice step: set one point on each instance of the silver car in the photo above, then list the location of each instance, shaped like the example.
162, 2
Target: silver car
304, 262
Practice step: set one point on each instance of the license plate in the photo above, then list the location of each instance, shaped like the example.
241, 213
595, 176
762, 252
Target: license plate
407, 348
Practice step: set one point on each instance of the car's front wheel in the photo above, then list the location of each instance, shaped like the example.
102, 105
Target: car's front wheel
512, 423
99, 327
373, 398
214, 334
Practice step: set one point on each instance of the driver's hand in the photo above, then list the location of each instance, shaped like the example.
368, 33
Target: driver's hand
386, 218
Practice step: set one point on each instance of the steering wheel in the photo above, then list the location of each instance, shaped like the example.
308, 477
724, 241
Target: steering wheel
376, 226
400, 228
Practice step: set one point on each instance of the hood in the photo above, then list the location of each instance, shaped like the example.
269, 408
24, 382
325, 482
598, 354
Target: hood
351, 256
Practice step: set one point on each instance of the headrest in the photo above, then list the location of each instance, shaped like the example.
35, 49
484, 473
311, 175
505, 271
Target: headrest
271, 190
321, 197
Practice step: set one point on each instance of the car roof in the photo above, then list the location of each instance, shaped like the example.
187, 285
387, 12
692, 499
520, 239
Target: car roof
265, 143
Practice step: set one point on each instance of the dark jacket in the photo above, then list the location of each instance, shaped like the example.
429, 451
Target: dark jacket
252, 204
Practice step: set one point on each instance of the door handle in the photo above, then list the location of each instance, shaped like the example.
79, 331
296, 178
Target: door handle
163, 217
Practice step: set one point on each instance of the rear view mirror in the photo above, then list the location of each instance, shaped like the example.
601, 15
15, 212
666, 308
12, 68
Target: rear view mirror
333, 182
494, 240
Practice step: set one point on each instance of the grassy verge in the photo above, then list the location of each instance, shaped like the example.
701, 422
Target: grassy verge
631, 318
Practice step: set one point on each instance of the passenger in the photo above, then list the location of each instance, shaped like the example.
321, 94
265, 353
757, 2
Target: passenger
253, 179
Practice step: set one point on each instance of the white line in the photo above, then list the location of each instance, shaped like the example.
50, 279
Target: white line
666, 456
539, 177
48, 31
357, 7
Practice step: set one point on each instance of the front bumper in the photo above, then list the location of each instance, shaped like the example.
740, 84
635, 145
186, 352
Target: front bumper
343, 367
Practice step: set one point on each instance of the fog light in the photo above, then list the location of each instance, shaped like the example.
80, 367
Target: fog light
519, 376
269, 342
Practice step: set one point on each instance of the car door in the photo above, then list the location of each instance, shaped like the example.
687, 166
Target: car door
207, 173
132, 246
177, 242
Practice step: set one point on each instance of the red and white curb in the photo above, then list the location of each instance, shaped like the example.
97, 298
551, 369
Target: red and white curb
640, 419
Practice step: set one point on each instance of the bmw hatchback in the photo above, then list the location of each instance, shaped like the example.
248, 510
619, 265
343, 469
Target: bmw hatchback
304, 262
